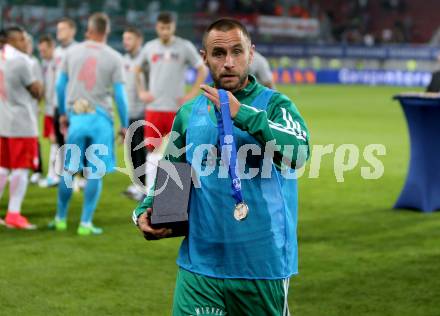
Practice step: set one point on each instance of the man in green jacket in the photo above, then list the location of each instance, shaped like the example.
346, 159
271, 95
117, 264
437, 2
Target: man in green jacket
228, 265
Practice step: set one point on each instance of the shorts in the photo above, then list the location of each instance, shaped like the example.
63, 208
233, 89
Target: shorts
19, 152
162, 122
48, 127
90, 139
196, 294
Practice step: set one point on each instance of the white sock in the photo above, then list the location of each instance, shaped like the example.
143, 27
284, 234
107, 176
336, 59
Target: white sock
52, 161
17, 189
152, 161
3, 179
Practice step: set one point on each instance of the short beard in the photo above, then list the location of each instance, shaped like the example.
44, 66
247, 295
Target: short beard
238, 86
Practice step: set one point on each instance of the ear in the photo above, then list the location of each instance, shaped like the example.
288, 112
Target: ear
173, 27
204, 56
251, 53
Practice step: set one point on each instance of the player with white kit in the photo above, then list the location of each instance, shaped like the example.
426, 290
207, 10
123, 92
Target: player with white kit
167, 57
132, 40
260, 68
46, 46
66, 30
38, 73
18, 123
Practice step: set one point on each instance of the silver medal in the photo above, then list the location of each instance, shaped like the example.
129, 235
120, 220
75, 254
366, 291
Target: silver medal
241, 211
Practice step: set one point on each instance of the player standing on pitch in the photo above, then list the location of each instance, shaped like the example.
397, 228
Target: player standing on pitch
228, 265
38, 73
66, 30
132, 40
18, 123
89, 71
46, 46
167, 57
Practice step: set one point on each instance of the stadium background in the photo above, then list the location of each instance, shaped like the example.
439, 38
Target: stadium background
358, 256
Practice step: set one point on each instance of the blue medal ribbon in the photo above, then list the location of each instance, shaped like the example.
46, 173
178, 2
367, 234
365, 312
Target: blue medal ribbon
224, 124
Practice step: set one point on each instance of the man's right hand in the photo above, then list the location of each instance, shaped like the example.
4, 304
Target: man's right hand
146, 96
150, 233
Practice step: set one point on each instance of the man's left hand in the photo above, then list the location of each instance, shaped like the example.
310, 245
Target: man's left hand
212, 94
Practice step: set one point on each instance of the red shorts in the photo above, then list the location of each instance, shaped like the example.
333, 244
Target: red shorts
49, 127
19, 152
162, 122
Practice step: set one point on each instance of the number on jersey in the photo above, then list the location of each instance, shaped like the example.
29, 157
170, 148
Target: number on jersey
87, 73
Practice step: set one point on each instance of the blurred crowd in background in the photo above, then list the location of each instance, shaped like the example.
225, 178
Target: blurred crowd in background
283, 30
366, 22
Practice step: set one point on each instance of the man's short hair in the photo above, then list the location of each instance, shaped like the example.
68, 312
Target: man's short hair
134, 30
165, 18
71, 23
2, 37
48, 39
100, 23
225, 25
13, 29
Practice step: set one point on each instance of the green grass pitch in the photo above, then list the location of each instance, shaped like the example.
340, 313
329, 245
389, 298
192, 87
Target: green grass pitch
357, 256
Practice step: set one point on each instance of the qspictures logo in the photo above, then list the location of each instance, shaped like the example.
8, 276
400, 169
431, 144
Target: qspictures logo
253, 160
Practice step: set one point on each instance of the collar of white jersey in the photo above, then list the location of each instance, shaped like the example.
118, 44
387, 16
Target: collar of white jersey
94, 43
69, 44
171, 42
136, 54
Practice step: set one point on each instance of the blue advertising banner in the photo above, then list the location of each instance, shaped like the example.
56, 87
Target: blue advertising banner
350, 76
405, 52
343, 76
